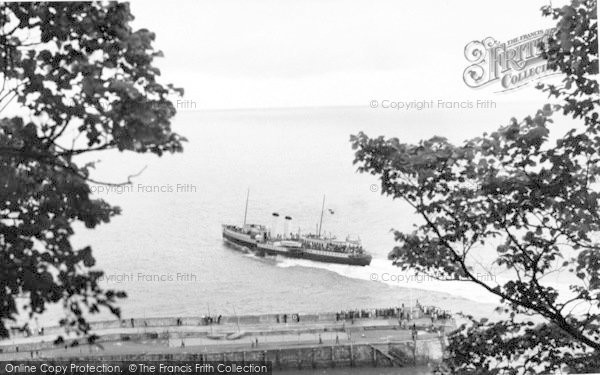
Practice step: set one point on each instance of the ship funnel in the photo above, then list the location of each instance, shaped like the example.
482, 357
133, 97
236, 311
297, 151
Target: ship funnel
274, 224
286, 226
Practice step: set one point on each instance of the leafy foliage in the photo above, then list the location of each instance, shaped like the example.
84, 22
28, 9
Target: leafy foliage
534, 200
69, 68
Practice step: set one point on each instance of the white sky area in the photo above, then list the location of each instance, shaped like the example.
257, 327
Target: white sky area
273, 53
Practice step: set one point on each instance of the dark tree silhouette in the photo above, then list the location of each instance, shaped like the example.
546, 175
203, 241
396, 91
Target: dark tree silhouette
68, 71
534, 200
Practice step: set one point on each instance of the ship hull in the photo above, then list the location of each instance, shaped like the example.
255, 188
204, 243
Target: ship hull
364, 260
357, 261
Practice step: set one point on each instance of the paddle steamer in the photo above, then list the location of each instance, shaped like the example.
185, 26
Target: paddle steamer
258, 239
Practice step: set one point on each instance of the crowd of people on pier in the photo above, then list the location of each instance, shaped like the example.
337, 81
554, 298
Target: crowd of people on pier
391, 312
402, 313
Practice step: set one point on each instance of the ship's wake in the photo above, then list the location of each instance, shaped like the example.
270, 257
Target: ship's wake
383, 271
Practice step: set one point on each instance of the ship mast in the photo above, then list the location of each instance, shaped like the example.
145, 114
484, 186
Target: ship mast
246, 210
321, 222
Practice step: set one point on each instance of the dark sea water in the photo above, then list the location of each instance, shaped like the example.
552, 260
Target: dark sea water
166, 250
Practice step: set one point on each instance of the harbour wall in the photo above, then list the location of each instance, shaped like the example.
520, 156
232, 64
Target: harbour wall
421, 352
166, 335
